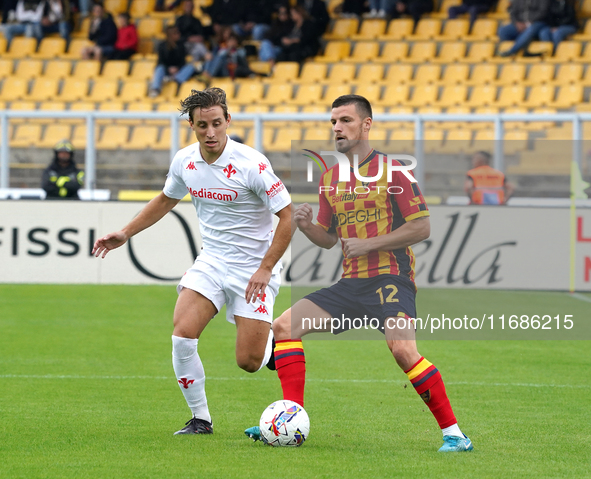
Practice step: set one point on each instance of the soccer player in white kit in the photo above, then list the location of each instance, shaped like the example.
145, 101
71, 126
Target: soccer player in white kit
235, 193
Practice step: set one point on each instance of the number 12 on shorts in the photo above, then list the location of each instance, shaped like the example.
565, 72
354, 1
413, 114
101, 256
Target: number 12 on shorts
391, 297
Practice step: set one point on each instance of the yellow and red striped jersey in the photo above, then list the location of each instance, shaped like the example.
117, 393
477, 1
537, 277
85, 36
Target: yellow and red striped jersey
365, 210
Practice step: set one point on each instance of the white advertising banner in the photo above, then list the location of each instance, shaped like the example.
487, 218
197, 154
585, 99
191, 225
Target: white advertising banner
470, 246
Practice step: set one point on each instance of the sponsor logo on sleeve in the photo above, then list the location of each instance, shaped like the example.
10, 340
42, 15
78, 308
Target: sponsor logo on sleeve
275, 189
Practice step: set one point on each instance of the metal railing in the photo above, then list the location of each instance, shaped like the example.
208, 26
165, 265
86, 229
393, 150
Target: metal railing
259, 119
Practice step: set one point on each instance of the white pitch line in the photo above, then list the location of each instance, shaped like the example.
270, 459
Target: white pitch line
580, 296
319, 380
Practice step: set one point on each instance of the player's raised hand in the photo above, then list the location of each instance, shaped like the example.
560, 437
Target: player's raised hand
257, 284
353, 247
107, 243
303, 216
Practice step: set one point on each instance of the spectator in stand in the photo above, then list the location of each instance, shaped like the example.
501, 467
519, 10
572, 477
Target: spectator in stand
192, 32
302, 42
171, 62
256, 21
8, 11
473, 7
224, 13
103, 32
281, 27
414, 8
26, 15
562, 22
56, 19
229, 61
318, 13
353, 8
62, 179
484, 185
380, 8
527, 19
127, 39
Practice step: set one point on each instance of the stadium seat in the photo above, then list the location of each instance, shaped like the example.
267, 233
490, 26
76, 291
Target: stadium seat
433, 137
256, 108
14, 88
54, 133
453, 95
73, 89
249, 93
393, 52
277, 93
306, 94
168, 92
334, 91
398, 110
50, 47
115, 7
370, 29
145, 50
142, 70
21, 47
57, 69
22, 106
484, 140
398, 29
457, 110
421, 52
568, 96
284, 72
570, 73
394, 95
142, 137
510, 96
115, 69
451, 52
482, 74
479, 52
342, 29
141, 8
318, 134
82, 31
3, 44
511, 74
261, 68
539, 95
86, 69
28, 69
455, 74
52, 106
186, 88
423, 95
364, 52
313, 72
429, 110
455, 29
444, 6
335, 51
149, 27
6, 67
539, 73
399, 74
403, 140
140, 107
133, 91
341, 73
76, 47
511, 125
427, 29
78, 137
457, 141
113, 137
567, 51
26, 135
482, 95
427, 74
515, 141
371, 91
103, 90
484, 29
43, 89
370, 73
501, 10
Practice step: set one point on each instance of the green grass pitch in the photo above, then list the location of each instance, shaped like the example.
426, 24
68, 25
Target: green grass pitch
87, 390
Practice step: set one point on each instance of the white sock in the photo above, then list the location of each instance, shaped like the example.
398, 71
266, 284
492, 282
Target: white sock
453, 430
268, 350
190, 375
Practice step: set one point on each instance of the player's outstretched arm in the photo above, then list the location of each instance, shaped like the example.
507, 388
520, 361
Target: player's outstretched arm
151, 213
314, 232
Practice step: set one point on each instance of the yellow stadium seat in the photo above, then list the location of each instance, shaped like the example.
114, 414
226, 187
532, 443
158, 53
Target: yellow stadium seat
50, 47
394, 95
260, 68
585, 10
342, 29
543, 48
256, 108
484, 140
6, 67
166, 107
52, 106
341, 73
86, 69
307, 94
54, 133
133, 91
113, 137
570, 73
398, 29
482, 74
482, 95
249, 93
423, 95
43, 89
363, 52
540, 73
26, 135
285, 109
103, 90
115, 69
335, 51
186, 88
455, 74
393, 52
511, 74
371, 73
453, 95
145, 50
455, 29
142, 137
318, 134
457, 141
427, 74
370, 29
141, 8
150, 27
79, 136
82, 31
142, 70
3, 44
284, 137
57, 69
427, 29
510, 125
168, 92
80, 106
370, 91
14, 88
444, 6
73, 89
479, 52
433, 137
21, 47
567, 51
76, 47
501, 10
137, 106
334, 91
402, 140
22, 106
484, 29
451, 52
115, 7
398, 74
313, 72
515, 141
511, 96
421, 52
277, 93
284, 72
568, 96
28, 69
539, 95
457, 110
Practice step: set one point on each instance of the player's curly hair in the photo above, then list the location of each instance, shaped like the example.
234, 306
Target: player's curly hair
207, 98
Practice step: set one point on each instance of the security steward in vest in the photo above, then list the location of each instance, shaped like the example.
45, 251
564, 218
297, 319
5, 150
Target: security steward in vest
62, 179
485, 185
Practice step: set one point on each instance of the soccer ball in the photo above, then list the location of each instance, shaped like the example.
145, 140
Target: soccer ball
284, 423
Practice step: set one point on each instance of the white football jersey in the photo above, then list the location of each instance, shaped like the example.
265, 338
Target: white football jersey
235, 198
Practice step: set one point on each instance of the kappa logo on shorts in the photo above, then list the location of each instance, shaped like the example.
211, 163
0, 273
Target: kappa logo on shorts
261, 309
262, 167
186, 383
229, 170
191, 166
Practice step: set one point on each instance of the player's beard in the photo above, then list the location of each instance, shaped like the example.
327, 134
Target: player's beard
348, 144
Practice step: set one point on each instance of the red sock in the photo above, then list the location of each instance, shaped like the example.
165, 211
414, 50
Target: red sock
427, 382
291, 369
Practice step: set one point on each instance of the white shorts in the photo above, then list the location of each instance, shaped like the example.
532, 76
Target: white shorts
226, 284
